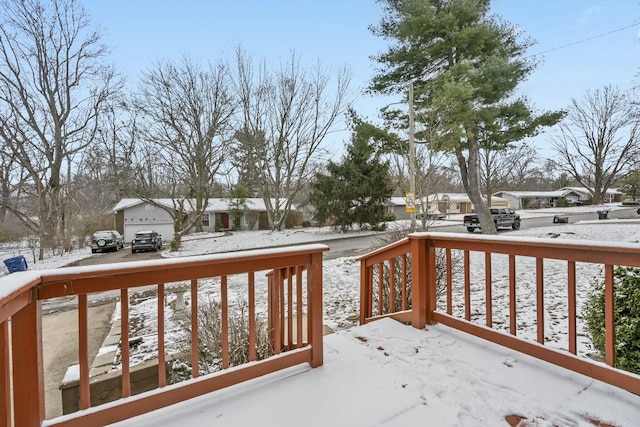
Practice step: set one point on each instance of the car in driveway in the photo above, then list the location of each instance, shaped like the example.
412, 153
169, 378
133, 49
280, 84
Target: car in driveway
432, 215
148, 240
106, 240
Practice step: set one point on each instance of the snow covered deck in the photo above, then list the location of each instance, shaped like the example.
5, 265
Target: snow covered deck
386, 373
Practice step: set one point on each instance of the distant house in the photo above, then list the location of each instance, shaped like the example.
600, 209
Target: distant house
612, 195
134, 214
397, 205
457, 203
541, 199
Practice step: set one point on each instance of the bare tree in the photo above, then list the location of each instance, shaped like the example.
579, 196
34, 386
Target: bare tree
513, 167
599, 139
492, 170
187, 112
53, 86
12, 177
523, 169
285, 117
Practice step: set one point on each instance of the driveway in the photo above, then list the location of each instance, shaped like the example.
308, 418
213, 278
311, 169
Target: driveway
60, 328
60, 347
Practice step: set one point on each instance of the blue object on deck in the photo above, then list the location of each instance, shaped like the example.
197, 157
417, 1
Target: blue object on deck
18, 263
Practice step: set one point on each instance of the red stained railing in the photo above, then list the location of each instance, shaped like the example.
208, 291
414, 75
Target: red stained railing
294, 289
455, 280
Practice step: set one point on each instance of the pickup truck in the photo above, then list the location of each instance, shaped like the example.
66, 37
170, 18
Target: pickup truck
502, 218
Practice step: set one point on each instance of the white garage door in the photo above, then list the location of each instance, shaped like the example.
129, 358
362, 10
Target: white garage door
166, 230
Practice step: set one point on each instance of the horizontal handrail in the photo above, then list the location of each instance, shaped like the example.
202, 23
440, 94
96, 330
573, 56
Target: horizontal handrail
21, 341
453, 280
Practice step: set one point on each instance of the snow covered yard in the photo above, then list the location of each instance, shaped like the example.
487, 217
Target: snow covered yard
387, 374
341, 291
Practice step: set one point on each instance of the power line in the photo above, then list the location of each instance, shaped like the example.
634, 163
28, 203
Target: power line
585, 40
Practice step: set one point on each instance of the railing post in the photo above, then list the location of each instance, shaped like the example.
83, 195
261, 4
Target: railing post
419, 286
314, 283
26, 349
365, 285
5, 376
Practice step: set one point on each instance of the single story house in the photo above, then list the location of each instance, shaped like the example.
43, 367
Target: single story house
397, 205
612, 195
540, 199
134, 214
457, 203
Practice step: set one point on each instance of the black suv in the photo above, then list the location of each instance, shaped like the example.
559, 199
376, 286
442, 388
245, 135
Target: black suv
146, 241
106, 240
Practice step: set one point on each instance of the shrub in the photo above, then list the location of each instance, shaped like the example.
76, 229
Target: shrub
210, 339
626, 318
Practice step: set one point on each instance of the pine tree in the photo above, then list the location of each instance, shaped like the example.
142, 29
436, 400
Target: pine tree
356, 189
465, 65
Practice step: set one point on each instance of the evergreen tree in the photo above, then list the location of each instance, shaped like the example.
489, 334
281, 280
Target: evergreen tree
356, 189
465, 66
238, 204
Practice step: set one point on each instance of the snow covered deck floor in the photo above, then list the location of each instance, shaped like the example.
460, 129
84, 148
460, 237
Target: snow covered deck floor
386, 373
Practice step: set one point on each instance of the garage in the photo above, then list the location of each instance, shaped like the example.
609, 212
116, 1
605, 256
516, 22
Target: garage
165, 230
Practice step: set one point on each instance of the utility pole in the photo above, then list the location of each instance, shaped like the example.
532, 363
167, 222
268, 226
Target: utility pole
412, 158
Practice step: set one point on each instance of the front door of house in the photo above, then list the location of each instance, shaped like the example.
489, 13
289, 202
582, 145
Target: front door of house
224, 219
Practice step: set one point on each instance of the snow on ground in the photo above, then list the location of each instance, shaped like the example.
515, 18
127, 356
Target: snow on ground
341, 296
385, 373
388, 374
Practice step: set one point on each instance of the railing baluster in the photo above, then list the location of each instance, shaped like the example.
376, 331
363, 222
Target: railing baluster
449, 282
162, 372
281, 310
225, 322
195, 340
290, 308
276, 312
571, 293
540, 299
392, 285
513, 321
488, 285
252, 315
124, 342
467, 285
380, 287
299, 307
405, 298
430, 253
609, 316
370, 278
83, 351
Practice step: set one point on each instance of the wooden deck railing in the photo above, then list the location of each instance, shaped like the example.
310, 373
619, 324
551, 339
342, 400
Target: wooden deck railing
474, 284
291, 294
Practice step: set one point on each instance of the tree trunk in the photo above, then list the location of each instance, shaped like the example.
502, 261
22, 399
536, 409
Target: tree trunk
470, 174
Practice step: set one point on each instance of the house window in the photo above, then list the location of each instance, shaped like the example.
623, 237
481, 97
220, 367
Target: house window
205, 220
